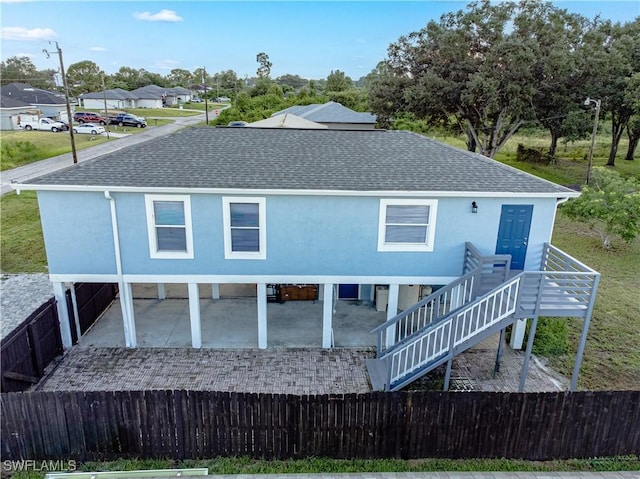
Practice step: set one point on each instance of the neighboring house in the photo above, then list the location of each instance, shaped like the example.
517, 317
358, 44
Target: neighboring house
150, 96
51, 104
116, 99
351, 211
334, 115
154, 96
10, 110
287, 120
198, 91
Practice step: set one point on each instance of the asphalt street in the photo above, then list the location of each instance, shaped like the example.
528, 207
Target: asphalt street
43, 167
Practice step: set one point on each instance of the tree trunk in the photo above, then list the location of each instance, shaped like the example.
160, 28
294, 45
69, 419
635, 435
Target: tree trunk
616, 134
471, 143
633, 132
555, 135
633, 144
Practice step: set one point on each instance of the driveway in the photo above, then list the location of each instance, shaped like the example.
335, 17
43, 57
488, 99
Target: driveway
34, 170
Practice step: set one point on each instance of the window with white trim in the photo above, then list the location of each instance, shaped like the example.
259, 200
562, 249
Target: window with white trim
169, 226
407, 224
245, 235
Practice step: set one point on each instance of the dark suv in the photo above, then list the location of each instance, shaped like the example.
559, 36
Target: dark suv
127, 120
89, 117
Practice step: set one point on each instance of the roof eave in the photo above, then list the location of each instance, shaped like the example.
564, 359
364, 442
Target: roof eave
292, 192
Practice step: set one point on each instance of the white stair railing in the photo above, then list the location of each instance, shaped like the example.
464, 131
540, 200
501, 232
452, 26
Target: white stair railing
429, 310
445, 337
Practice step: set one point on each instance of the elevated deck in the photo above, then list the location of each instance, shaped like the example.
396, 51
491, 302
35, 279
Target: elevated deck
459, 315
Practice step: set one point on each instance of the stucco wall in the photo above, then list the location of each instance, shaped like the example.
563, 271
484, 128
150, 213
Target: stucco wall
306, 235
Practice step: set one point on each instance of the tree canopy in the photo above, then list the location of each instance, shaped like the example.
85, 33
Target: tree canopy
610, 204
498, 65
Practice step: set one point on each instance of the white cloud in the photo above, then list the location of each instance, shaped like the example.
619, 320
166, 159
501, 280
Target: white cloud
163, 15
98, 49
166, 64
24, 34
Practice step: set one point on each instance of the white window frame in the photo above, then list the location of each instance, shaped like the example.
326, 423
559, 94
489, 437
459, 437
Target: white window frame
262, 227
383, 245
151, 227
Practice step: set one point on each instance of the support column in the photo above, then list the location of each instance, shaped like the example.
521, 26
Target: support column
128, 319
194, 315
215, 291
327, 316
527, 354
517, 334
262, 315
392, 312
162, 291
63, 314
76, 315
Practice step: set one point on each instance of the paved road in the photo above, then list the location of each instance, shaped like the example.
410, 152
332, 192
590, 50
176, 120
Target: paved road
33, 170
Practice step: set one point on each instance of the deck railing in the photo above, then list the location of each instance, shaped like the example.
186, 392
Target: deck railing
494, 269
563, 287
434, 307
442, 339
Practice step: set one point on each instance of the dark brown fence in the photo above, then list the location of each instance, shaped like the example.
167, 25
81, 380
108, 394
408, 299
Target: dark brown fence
201, 424
28, 349
92, 299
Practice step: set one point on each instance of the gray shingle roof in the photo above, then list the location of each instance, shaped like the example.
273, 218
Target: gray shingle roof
289, 159
33, 96
115, 94
330, 112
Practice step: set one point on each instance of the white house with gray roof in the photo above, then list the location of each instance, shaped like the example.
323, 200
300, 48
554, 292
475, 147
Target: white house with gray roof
115, 99
359, 213
333, 115
21, 97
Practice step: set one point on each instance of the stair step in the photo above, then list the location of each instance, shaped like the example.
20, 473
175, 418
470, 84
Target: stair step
377, 374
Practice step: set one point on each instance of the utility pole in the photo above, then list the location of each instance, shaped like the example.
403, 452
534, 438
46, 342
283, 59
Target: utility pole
66, 95
597, 103
206, 102
106, 115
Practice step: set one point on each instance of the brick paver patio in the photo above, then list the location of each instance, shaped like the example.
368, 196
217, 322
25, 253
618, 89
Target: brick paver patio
272, 370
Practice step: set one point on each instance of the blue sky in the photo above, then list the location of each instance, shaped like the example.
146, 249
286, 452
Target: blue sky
305, 38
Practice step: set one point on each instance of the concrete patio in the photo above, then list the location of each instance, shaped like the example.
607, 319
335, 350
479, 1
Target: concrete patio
232, 323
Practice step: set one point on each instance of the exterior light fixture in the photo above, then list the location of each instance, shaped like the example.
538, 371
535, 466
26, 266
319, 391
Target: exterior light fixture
474, 207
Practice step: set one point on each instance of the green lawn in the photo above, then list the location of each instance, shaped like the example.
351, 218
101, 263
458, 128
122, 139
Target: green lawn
21, 241
612, 355
244, 465
23, 147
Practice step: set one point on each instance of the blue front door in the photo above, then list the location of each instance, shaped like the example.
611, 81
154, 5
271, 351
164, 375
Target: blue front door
348, 291
513, 234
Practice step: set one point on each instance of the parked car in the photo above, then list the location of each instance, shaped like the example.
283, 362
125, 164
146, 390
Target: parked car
237, 123
128, 120
223, 99
89, 117
44, 124
89, 128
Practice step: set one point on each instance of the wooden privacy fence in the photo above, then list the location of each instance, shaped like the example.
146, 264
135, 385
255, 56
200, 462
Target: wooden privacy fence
29, 348
91, 299
204, 424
